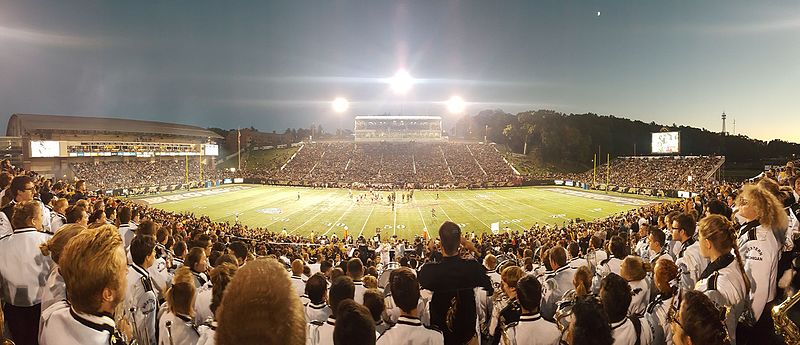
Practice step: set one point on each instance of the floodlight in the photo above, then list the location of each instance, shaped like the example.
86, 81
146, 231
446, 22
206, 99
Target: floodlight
340, 105
401, 82
456, 105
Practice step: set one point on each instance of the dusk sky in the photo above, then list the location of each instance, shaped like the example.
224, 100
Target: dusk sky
279, 64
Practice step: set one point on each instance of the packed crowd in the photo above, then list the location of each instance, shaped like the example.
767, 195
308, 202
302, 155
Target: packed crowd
673, 173
397, 164
83, 269
141, 173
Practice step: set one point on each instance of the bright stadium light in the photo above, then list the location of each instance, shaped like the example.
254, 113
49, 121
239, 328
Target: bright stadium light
401, 82
456, 105
340, 105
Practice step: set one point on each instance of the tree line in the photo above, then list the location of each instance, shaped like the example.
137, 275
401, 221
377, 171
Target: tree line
554, 137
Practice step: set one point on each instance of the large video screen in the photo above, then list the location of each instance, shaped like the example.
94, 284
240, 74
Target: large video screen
666, 142
211, 150
44, 149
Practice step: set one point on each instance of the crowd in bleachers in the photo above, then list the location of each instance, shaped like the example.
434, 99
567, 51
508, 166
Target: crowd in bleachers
419, 165
77, 268
674, 173
108, 175
397, 164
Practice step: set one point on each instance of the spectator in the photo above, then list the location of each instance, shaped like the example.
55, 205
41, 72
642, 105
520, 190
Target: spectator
698, 321
409, 329
93, 265
260, 307
354, 325
452, 282
615, 294
532, 328
24, 271
176, 326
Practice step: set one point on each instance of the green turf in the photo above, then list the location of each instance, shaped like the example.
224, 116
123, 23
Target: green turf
328, 211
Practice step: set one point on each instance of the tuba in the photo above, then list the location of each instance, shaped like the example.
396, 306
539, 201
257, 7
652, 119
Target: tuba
784, 324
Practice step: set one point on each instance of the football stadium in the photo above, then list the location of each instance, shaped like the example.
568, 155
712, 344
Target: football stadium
398, 173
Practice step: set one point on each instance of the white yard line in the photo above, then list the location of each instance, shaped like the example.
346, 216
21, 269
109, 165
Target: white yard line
468, 212
494, 211
587, 216
366, 221
425, 225
325, 209
340, 218
299, 210
394, 225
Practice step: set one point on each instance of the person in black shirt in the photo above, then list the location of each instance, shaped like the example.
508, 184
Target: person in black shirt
452, 281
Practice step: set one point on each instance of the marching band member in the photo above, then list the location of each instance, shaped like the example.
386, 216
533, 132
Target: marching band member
55, 290
611, 264
596, 253
532, 329
93, 266
688, 259
220, 278
556, 283
760, 246
321, 333
316, 290
140, 297
664, 273
23, 271
723, 280
260, 307
575, 259
297, 277
409, 329
634, 271
615, 294
177, 326
355, 270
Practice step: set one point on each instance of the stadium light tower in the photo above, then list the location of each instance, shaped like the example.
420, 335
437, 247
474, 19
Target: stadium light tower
340, 105
401, 82
456, 105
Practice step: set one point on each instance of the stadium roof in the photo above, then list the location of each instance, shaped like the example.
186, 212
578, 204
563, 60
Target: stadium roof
20, 125
397, 117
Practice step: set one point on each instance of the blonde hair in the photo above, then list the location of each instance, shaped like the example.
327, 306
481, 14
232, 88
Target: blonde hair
56, 244
633, 268
722, 235
24, 213
260, 306
370, 282
180, 296
769, 211
90, 262
511, 275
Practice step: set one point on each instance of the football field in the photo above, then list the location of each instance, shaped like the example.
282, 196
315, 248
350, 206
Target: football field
333, 211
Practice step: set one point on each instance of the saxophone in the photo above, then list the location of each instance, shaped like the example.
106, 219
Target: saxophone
784, 325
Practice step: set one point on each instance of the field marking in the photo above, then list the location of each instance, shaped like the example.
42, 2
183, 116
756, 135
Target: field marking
327, 208
424, 225
557, 202
394, 225
465, 210
301, 209
491, 210
523, 204
340, 218
366, 221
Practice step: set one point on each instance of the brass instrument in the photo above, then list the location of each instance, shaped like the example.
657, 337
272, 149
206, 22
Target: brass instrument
784, 325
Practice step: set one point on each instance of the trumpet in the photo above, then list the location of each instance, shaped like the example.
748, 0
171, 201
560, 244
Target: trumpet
784, 325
